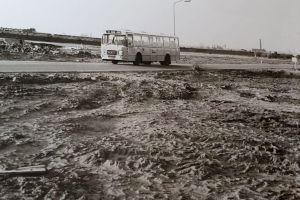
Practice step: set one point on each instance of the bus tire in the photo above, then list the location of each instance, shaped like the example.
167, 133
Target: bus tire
115, 62
167, 60
138, 59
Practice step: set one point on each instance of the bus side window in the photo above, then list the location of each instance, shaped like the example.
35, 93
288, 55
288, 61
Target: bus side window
151, 41
166, 42
130, 40
177, 43
155, 44
137, 40
145, 40
157, 41
173, 42
160, 42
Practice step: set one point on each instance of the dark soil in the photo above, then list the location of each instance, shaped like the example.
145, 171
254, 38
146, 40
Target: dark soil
168, 135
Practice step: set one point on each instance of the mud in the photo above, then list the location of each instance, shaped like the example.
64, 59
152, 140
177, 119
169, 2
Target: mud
169, 135
202, 58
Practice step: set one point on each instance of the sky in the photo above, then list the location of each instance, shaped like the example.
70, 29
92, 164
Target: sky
236, 24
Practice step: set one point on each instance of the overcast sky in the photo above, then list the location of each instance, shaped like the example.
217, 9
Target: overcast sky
237, 24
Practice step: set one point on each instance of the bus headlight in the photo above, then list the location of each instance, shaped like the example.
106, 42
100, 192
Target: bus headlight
121, 53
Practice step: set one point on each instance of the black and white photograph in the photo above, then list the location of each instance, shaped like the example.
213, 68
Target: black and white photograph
150, 100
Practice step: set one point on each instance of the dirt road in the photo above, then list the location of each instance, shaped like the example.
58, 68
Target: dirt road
188, 60
42, 66
205, 134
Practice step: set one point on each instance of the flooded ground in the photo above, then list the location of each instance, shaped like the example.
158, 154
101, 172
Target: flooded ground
224, 134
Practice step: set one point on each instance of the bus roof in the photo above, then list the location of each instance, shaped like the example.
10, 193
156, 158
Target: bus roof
126, 32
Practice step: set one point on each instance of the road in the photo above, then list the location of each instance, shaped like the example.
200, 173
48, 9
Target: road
37, 66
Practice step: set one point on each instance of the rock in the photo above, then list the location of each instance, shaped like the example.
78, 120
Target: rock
197, 68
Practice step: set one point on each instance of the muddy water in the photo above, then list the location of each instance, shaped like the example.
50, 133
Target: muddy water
167, 135
96, 127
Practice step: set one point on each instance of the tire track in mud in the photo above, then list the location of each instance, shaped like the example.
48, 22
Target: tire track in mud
166, 135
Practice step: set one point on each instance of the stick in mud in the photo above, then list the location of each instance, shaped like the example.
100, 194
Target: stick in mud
31, 170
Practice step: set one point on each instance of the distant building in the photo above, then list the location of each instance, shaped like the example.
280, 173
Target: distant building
29, 30
259, 52
15, 30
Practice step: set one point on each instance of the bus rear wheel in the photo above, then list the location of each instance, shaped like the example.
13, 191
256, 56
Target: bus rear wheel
138, 59
115, 62
167, 61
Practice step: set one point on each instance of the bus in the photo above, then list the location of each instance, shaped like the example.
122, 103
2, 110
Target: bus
139, 48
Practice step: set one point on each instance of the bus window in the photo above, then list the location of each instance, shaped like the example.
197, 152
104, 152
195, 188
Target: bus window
173, 42
119, 40
166, 42
177, 42
145, 40
114, 39
151, 41
137, 40
107, 38
158, 42
130, 40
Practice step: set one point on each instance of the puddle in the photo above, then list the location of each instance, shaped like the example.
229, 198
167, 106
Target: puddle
92, 126
23, 149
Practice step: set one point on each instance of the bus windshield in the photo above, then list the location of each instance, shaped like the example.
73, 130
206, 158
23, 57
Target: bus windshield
115, 39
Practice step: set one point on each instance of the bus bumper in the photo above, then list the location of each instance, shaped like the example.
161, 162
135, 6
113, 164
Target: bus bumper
112, 58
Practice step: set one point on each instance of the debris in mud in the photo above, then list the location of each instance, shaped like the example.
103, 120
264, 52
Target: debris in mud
25, 171
197, 69
19, 50
30, 48
167, 135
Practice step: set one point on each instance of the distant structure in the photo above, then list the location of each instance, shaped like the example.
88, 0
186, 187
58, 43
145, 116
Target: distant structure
260, 44
15, 30
260, 52
32, 34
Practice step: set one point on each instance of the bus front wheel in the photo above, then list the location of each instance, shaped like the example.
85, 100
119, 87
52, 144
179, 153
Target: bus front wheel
115, 62
138, 59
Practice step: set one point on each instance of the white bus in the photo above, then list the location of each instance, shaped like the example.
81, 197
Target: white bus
139, 48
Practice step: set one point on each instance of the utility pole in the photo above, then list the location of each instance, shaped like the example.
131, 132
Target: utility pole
174, 12
260, 44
